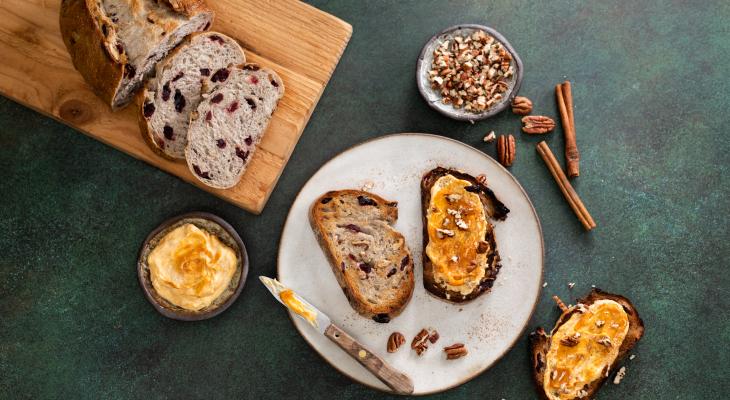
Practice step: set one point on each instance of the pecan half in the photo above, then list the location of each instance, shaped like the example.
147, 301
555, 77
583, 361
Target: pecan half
420, 342
395, 341
521, 105
537, 124
456, 350
506, 150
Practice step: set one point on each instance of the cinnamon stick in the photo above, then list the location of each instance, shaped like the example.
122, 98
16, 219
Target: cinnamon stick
564, 95
565, 187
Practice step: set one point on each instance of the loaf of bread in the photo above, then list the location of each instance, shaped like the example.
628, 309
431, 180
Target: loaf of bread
175, 92
115, 44
369, 258
230, 122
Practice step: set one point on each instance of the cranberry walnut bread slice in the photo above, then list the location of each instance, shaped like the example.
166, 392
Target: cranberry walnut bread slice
115, 44
460, 260
230, 122
586, 345
369, 258
175, 91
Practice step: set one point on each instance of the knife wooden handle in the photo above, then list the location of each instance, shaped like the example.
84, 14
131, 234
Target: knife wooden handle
395, 380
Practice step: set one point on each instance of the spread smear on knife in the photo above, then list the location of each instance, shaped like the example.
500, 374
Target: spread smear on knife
288, 297
583, 349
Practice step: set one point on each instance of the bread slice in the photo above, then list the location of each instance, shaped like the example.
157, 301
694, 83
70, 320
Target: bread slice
230, 121
540, 342
482, 253
115, 44
369, 258
176, 90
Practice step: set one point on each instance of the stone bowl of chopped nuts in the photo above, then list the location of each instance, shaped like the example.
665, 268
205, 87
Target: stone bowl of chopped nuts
468, 72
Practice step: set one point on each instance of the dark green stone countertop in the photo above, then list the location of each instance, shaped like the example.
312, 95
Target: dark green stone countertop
651, 88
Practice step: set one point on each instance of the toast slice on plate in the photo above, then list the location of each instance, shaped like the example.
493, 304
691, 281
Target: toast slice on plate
586, 345
369, 258
460, 260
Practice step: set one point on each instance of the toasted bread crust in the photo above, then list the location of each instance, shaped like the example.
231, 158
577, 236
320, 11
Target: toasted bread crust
539, 341
492, 207
378, 312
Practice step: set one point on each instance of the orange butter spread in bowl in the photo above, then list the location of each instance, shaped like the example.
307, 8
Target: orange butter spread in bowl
584, 348
191, 267
293, 303
456, 224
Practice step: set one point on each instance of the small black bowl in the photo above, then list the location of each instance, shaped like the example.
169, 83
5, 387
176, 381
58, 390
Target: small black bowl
434, 98
226, 234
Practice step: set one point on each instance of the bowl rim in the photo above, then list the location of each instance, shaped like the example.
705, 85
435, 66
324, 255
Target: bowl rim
451, 112
146, 284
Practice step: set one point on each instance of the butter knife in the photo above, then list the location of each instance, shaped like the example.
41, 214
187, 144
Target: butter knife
395, 380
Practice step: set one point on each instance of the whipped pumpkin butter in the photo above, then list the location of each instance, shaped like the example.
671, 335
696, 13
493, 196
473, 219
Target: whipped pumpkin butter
457, 225
190, 267
583, 348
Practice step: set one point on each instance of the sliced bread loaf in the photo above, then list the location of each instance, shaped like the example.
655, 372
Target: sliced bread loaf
369, 258
175, 92
230, 122
115, 44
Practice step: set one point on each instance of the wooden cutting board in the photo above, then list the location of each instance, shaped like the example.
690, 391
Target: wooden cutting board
302, 44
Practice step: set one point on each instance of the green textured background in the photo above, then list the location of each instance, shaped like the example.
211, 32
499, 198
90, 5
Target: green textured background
651, 90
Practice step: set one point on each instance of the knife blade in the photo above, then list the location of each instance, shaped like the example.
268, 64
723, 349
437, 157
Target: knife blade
303, 309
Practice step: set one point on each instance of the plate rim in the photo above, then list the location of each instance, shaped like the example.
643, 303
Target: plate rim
534, 305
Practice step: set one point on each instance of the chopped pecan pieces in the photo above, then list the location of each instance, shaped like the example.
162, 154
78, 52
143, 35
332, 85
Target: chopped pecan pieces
456, 350
471, 72
433, 337
570, 341
537, 124
395, 341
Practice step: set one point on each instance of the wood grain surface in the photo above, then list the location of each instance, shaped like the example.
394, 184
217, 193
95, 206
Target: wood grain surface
302, 44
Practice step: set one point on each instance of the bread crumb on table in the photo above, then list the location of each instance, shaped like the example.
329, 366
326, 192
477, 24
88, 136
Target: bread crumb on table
619, 376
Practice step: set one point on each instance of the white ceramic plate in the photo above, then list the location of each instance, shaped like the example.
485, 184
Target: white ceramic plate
392, 166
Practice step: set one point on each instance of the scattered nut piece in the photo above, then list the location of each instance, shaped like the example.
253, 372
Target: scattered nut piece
481, 178
444, 232
521, 105
571, 285
631, 357
420, 342
600, 323
570, 341
433, 337
453, 197
456, 350
395, 341
606, 341
619, 375
506, 150
537, 124
544, 284
490, 137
